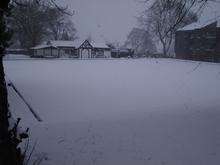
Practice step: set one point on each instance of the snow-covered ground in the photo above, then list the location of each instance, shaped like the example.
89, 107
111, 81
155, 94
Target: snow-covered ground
120, 112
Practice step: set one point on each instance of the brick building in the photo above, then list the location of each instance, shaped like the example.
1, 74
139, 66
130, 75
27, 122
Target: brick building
199, 41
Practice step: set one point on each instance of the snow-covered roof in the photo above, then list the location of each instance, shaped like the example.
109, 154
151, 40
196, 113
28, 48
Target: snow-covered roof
43, 46
56, 44
98, 44
61, 43
14, 49
125, 50
200, 24
73, 44
77, 44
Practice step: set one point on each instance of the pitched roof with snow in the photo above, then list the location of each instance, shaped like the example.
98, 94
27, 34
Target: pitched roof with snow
55, 44
61, 43
99, 45
43, 46
77, 44
200, 24
71, 44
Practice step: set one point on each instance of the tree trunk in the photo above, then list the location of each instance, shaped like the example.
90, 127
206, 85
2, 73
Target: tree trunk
164, 49
9, 153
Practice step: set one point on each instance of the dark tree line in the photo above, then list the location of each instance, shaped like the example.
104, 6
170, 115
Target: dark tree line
34, 21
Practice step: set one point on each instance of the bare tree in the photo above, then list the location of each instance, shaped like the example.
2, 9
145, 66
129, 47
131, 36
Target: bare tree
28, 22
164, 17
34, 21
141, 42
60, 26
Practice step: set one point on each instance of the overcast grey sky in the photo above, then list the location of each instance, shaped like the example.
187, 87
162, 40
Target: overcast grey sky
107, 19
110, 19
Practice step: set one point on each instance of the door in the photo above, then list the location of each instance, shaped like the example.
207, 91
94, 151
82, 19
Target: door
86, 53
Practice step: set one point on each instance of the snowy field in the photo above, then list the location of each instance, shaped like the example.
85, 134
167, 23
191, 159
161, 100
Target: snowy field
120, 112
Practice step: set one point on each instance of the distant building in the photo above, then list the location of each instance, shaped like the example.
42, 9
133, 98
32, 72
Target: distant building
16, 51
93, 50
199, 41
55, 49
73, 49
122, 53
